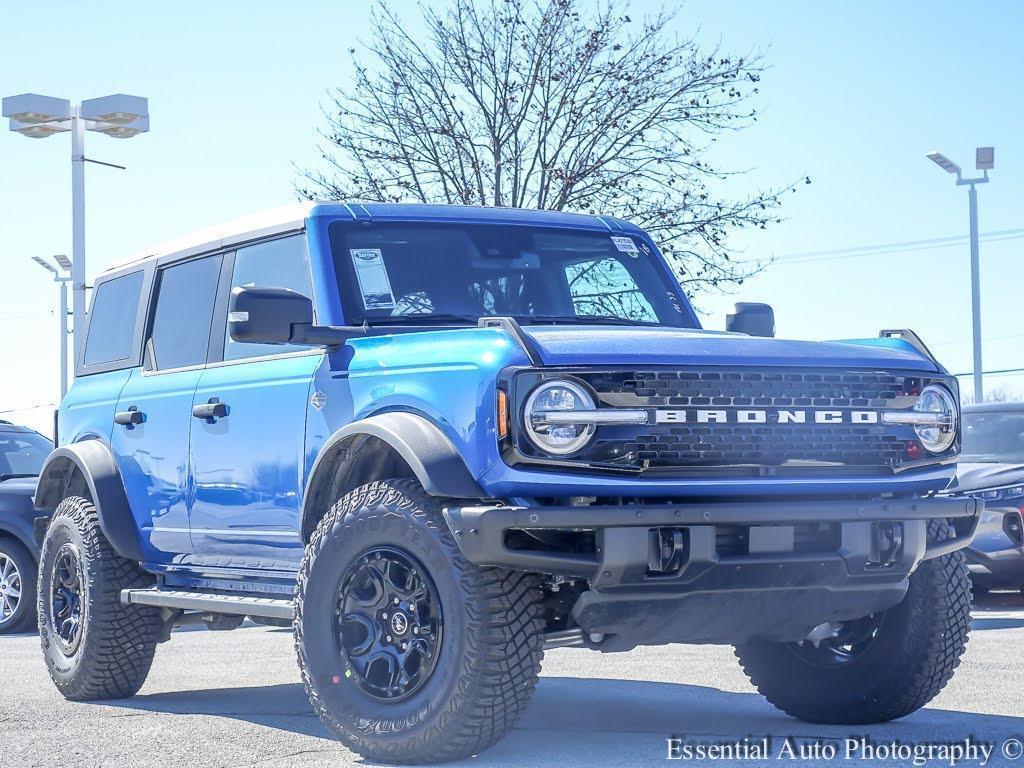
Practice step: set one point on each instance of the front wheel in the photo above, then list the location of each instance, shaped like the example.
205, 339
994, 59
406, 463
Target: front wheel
409, 653
878, 668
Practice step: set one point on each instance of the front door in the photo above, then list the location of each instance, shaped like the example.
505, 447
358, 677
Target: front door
247, 454
152, 447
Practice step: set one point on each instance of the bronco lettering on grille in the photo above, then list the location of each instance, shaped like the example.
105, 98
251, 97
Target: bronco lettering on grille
756, 416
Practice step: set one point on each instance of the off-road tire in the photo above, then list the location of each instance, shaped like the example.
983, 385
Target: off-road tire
917, 648
117, 642
492, 641
24, 616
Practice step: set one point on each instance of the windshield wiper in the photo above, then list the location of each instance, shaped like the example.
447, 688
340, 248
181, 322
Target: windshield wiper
581, 319
424, 319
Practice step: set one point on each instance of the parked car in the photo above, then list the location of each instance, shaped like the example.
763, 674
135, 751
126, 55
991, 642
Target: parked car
992, 468
22, 453
440, 439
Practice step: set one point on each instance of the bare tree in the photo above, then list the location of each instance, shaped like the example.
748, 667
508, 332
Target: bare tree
555, 104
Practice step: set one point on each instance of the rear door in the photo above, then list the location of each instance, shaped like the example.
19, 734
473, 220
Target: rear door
152, 449
248, 463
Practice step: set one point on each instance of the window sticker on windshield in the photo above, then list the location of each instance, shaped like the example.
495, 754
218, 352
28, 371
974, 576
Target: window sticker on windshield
372, 275
625, 244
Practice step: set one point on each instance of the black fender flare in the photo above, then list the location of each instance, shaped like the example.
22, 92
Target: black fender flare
99, 468
434, 460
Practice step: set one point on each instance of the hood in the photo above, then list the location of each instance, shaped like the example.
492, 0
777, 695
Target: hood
562, 345
984, 477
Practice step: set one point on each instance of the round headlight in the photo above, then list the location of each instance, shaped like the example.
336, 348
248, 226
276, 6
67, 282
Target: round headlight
556, 398
938, 400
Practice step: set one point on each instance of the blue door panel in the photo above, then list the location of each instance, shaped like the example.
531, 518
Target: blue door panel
248, 466
87, 410
153, 459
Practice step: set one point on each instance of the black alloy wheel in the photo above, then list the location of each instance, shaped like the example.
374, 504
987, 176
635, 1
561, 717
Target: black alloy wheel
67, 598
388, 624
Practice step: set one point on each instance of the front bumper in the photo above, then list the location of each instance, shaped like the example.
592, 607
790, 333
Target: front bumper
772, 587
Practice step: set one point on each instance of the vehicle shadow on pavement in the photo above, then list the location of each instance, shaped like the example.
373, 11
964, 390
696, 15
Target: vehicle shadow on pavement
283, 706
601, 722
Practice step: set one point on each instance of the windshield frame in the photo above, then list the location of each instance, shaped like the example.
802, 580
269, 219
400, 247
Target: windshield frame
338, 228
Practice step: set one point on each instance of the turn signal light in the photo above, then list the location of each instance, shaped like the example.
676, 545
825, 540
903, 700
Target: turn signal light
502, 414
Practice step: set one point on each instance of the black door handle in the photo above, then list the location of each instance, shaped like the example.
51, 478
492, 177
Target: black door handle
130, 418
210, 411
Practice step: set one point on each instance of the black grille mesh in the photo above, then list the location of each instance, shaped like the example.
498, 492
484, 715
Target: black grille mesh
695, 388
724, 444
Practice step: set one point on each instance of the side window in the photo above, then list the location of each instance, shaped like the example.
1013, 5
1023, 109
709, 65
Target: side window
184, 310
605, 288
112, 320
281, 263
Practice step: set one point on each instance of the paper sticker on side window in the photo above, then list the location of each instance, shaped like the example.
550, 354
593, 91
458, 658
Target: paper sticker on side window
625, 244
372, 275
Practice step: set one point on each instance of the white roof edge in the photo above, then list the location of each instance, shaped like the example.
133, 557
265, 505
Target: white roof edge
250, 227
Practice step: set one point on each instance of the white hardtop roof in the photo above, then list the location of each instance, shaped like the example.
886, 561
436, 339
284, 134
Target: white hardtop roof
251, 227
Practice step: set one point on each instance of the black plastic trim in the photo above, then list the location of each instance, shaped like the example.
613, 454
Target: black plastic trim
513, 329
433, 458
913, 340
106, 489
480, 530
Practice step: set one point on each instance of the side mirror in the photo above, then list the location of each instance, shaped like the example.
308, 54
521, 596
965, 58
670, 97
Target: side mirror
752, 319
267, 315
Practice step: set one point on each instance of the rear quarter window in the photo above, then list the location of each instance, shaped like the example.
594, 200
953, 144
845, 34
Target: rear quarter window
112, 320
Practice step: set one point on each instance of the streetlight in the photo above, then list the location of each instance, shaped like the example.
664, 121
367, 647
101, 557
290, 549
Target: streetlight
984, 161
119, 116
62, 278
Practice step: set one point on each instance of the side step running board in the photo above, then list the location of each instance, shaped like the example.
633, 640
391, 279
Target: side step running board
236, 605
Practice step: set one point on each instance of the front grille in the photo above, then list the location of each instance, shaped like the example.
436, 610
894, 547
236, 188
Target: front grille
770, 445
736, 447
766, 389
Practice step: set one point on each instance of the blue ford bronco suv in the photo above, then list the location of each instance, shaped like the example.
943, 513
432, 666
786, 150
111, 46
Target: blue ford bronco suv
437, 440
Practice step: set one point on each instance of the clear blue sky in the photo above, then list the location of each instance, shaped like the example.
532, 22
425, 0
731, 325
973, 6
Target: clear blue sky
856, 94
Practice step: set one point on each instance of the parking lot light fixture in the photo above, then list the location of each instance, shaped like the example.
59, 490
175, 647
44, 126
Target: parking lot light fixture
120, 116
944, 162
33, 108
119, 109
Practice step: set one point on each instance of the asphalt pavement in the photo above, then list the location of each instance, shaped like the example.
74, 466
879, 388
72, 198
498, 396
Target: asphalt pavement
234, 699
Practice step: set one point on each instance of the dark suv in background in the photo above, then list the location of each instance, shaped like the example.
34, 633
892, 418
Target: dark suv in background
22, 453
992, 468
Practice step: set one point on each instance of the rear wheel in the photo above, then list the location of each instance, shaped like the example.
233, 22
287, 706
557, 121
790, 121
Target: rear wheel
878, 668
95, 647
409, 653
17, 587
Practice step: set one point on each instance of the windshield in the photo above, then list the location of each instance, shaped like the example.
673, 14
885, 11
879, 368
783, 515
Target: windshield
22, 454
458, 273
993, 437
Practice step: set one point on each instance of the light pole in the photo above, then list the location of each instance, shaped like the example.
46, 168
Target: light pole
119, 116
62, 278
984, 162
